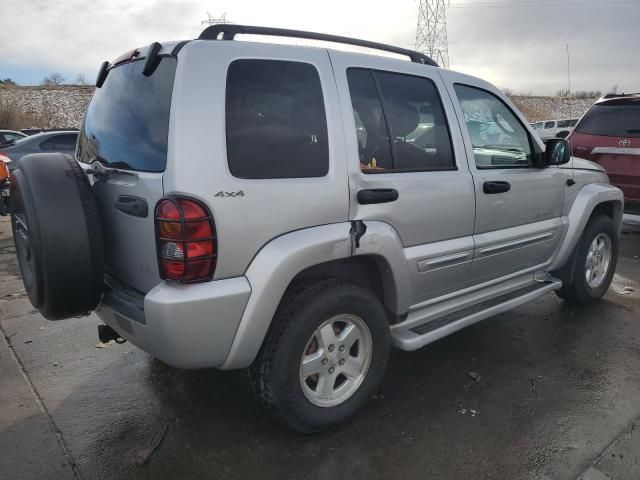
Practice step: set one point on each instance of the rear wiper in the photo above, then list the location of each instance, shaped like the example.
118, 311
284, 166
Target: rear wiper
101, 171
8, 143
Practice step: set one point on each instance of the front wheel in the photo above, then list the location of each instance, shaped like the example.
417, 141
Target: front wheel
324, 357
595, 262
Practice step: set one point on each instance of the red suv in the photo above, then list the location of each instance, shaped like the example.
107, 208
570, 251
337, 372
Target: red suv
609, 134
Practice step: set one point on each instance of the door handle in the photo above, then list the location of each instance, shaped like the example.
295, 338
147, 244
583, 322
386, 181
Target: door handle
377, 195
131, 205
496, 187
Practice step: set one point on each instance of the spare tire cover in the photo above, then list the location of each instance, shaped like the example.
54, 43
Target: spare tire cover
58, 236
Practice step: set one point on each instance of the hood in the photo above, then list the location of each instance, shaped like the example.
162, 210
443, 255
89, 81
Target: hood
582, 164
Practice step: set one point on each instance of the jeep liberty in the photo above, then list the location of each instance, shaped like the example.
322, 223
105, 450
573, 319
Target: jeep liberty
296, 211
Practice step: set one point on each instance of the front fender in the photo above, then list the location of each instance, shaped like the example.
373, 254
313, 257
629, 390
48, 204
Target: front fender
279, 261
587, 199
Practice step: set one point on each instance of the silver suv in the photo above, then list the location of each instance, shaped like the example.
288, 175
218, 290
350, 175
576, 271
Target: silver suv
296, 211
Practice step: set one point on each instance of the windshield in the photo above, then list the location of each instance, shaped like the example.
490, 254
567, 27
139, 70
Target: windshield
612, 120
127, 122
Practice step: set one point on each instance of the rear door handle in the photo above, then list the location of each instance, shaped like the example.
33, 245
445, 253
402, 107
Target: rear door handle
496, 187
131, 205
377, 195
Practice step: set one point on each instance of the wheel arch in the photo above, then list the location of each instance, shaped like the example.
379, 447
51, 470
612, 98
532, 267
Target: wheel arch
592, 200
376, 260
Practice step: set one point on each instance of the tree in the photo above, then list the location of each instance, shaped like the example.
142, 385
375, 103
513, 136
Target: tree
54, 78
613, 89
81, 79
8, 81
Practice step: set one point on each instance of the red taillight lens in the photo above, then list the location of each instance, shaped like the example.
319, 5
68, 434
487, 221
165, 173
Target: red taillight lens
186, 240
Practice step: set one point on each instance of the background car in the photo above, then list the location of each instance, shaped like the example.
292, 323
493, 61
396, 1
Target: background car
547, 129
7, 136
59, 141
609, 134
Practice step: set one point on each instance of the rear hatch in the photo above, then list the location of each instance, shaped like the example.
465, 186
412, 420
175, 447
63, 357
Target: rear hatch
124, 139
609, 134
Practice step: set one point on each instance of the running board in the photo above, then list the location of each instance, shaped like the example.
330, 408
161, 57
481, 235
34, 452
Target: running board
435, 321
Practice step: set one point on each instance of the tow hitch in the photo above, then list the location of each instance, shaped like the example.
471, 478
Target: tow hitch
106, 334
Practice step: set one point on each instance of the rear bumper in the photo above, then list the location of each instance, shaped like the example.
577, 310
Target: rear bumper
185, 326
630, 223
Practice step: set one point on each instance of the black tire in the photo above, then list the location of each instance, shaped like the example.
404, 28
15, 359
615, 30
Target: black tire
275, 374
58, 235
576, 290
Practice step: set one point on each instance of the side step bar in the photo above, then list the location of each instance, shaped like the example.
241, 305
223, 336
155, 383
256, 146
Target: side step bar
423, 327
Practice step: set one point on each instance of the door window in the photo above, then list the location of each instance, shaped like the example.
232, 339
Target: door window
400, 123
498, 138
549, 125
275, 120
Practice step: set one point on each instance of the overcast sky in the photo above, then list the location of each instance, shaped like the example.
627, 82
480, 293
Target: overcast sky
517, 44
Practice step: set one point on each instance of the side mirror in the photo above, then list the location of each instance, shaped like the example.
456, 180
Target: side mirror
558, 152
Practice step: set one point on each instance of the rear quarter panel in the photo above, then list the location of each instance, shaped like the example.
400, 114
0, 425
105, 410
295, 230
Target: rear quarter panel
197, 159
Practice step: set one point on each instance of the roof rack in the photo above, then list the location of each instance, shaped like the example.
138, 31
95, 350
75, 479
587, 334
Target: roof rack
229, 31
618, 95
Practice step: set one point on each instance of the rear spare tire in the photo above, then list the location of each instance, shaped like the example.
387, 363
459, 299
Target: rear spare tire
58, 236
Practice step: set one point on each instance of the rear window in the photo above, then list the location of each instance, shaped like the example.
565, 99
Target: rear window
127, 122
611, 120
275, 120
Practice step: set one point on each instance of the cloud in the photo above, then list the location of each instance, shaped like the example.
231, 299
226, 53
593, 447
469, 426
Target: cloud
520, 48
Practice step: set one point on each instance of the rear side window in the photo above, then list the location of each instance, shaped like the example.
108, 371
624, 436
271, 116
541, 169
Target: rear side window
60, 142
612, 120
65, 142
400, 123
549, 124
127, 123
563, 123
275, 120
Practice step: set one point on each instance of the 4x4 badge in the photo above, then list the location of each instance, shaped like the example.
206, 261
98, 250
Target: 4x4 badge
239, 193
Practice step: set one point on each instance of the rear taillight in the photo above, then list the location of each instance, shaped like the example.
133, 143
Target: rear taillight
185, 240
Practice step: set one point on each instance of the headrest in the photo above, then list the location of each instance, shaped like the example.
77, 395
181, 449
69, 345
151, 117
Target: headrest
404, 118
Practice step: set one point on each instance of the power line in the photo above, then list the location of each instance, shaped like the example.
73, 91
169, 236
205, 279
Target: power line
431, 31
539, 3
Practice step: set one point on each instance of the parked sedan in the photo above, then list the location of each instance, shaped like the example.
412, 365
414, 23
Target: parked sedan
59, 141
7, 136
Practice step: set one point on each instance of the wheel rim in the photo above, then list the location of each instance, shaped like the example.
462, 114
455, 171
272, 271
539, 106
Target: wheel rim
598, 260
335, 360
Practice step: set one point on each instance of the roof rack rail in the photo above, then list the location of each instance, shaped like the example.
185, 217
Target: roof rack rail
229, 31
618, 95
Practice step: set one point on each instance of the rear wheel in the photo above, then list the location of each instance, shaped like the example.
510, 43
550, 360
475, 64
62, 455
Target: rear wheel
324, 356
595, 262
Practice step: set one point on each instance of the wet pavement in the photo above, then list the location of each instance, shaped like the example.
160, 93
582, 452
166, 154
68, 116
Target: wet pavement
555, 396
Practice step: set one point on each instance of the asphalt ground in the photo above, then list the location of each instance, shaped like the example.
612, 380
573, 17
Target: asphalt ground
547, 391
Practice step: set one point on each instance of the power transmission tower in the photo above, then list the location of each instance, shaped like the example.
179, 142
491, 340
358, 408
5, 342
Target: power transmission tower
431, 32
211, 20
